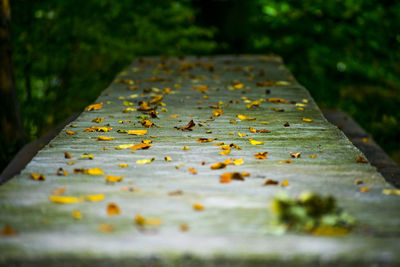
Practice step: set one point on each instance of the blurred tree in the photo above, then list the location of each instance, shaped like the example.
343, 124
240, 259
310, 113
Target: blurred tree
11, 133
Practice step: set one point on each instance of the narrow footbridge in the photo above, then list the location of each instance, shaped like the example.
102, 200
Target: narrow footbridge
200, 161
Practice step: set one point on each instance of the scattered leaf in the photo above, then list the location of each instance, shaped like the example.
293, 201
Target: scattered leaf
113, 179
360, 159
271, 182
276, 100
140, 146
37, 177
306, 120
94, 106
137, 132
238, 162
167, 158
228, 176
122, 165
295, 155
261, 155
365, 189
69, 132
145, 161
67, 155
184, 227
198, 207
391, 192
97, 129
188, 126
174, 116
113, 209
313, 156
106, 228
59, 190
185, 148
254, 142
244, 117
98, 120
218, 165
77, 214
242, 135
217, 112
125, 146
86, 156
64, 199
93, 171
285, 183
95, 198
193, 171
327, 230
204, 140
225, 152
104, 138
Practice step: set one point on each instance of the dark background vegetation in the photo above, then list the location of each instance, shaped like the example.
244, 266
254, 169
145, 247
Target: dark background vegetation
347, 53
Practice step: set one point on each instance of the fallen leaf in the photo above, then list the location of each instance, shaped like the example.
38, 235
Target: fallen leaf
193, 171
86, 156
122, 165
113, 179
263, 131
113, 209
225, 152
360, 159
59, 190
365, 189
285, 183
184, 227
98, 120
327, 230
130, 189
287, 124
271, 182
95, 198
106, 228
218, 165
145, 161
391, 192
288, 161
69, 132
251, 129
175, 193
228, 176
77, 214
313, 156
254, 142
137, 132
104, 138
125, 146
306, 120
276, 100
188, 126
217, 112
261, 155
97, 129
61, 172
140, 146
174, 116
67, 155
198, 207
128, 110
242, 135
204, 140
244, 117
142, 221
255, 103
64, 199
94, 171
238, 162
37, 177
295, 155
7, 231
146, 141
167, 159
94, 106
185, 148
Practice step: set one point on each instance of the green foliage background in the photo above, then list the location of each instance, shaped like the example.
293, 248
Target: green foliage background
345, 52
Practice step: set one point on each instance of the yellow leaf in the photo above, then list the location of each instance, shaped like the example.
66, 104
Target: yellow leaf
142, 221
77, 214
174, 116
306, 120
391, 192
276, 100
64, 199
193, 171
225, 152
98, 129
94, 106
261, 155
285, 183
198, 207
122, 165
141, 146
365, 189
37, 177
106, 228
244, 117
185, 148
95, 198
264, 122
204, 140
125, 146
168, 159
94, 171
254, 142
253, 104
98, 120
295, 155
313, 156
59, 190
104, 138
145, 161
128, 110
238, 162
69, 132
146, 141
218, 165
330, 231
86, 156
252, 129
137, 132
242, 135
128, 103
218, 112
238, 86
114, 179
113, 209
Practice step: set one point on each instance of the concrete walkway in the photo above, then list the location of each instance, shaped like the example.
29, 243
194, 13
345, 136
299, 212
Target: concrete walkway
171, 206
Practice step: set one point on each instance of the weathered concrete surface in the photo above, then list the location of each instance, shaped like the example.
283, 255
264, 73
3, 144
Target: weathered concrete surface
236, 226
